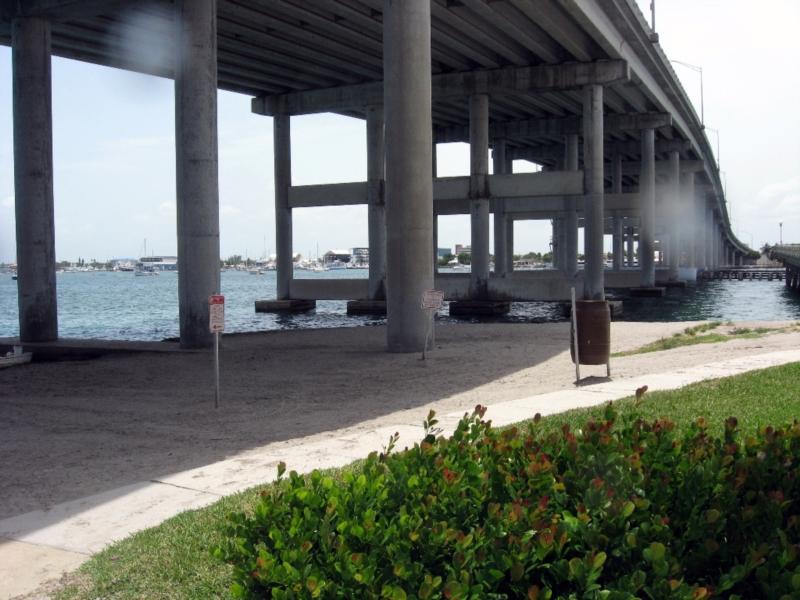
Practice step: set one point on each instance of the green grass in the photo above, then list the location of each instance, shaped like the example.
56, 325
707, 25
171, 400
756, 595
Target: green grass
173, 559
706, 333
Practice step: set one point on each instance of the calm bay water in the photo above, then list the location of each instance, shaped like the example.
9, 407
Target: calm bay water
105, 305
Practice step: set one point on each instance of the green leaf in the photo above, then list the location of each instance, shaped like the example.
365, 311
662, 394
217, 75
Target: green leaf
657, 551
599, 560
628, 508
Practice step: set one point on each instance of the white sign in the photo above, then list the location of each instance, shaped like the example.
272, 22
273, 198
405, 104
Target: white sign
216, 313
432, 299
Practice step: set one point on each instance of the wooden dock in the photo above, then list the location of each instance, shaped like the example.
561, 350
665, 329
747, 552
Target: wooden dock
744, 274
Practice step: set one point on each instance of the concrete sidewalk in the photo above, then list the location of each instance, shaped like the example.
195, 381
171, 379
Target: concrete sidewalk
41, 545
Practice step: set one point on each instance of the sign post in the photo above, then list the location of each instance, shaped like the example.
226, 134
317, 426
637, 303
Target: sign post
216, 325
575, 339
431, 301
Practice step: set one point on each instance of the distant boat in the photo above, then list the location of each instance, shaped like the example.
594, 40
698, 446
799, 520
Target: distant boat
336, 265
14, 277
144, 272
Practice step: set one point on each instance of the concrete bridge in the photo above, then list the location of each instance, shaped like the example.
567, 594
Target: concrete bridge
580, 87
789, 255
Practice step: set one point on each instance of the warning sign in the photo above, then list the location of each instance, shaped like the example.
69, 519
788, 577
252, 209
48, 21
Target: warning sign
432, 299
216, 313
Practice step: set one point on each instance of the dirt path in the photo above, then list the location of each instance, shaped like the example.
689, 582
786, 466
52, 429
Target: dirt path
72, 429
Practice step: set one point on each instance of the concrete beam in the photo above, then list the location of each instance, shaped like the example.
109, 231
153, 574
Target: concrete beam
520, 185
508, 80
544, 183
545, 207
58, 9
533, 128
329, 289
663, 167
555, 152
661, 146
329, 194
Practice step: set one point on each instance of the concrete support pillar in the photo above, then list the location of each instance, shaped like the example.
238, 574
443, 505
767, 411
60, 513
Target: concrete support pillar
509, 169
479, 200
434, 173
617, 237
376, 215
281, 131
33, 180
616, 221
698, 206
616, 174
197, 174
688, 226
571, 218
510, 245
594, 276
500, 219
673, 201
647, 192
711, 229
629, 235
409, 182
554, 243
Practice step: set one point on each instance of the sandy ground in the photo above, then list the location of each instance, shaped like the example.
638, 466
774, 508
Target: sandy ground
71, 429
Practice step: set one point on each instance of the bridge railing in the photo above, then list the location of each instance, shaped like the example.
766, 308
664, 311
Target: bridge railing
788, 254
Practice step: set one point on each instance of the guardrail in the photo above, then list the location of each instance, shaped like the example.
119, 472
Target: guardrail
788, 254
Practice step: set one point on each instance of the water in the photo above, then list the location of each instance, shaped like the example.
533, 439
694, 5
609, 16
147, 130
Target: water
105, 305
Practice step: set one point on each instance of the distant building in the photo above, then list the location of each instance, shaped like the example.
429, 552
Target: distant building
463, 249
160, 263
442, 252
336, 256
360, 256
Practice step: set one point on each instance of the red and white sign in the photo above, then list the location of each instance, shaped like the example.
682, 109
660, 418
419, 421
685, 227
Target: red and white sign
432, 299
216, 313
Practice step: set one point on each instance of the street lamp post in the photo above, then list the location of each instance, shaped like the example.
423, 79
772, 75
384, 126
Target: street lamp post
653, 15
781, 234
696, 69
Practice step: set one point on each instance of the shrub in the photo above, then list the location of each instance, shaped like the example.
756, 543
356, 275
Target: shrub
611, 511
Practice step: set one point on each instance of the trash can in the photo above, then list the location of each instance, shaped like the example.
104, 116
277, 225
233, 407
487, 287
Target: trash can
594, 332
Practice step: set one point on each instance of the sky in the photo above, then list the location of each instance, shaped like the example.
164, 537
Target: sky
114, 157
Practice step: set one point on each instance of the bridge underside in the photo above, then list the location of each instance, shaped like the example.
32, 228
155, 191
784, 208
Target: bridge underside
580, 88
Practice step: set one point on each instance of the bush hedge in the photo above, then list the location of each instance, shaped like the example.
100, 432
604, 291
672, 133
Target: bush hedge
613, 511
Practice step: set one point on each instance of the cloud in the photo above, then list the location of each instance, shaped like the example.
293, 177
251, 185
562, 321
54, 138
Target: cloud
229, 210
7, 202
779, 200
167, 209
151, 142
